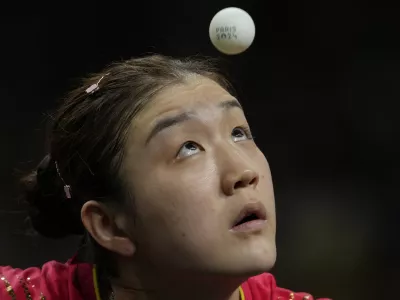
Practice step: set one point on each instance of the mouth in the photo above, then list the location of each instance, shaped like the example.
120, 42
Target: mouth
252, 217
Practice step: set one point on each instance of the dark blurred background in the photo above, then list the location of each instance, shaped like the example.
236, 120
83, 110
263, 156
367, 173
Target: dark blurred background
320, 85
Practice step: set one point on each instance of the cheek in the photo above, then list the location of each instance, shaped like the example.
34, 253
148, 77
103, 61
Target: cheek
265, 185
179, 200
262, 165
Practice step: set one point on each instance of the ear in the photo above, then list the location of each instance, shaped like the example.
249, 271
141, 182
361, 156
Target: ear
106, 228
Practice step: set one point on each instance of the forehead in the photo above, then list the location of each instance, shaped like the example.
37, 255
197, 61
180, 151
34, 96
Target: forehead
195, 94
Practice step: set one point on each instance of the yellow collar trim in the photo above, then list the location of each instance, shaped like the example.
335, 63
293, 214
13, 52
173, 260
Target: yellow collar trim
241, 293
95, 283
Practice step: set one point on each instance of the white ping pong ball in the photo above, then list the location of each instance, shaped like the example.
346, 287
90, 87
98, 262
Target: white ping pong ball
232, 30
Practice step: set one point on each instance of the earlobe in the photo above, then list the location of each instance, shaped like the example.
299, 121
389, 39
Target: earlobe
101, 224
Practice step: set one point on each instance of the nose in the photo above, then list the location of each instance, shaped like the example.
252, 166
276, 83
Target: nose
238, 179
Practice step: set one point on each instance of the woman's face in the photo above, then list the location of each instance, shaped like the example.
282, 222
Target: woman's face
194, 171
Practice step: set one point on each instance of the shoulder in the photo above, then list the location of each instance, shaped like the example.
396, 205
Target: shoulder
263, 287
51, 281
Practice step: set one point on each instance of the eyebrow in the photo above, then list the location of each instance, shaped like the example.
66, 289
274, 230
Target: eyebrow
168, 122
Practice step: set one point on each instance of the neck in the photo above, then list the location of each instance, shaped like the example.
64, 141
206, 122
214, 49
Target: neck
216, 289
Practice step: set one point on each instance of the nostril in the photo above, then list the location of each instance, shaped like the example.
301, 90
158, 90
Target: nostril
239, 184
248, 179
253, 181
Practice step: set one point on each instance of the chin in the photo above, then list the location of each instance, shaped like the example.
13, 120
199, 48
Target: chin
257, 259
248, 263
258, 265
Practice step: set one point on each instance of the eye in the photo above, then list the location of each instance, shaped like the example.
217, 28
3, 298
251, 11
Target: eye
241, 134
188, 149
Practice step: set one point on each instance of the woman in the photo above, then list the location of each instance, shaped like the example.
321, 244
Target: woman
154, 162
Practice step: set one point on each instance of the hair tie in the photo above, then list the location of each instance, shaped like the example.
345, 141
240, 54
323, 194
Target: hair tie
67, 188
95, 87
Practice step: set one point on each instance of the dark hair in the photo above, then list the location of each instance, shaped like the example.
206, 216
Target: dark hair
88, 136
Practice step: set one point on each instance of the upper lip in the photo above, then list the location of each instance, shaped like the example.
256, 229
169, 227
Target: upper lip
254, 208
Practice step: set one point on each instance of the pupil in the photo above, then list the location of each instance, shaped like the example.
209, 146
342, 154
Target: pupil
237, 133
191, 146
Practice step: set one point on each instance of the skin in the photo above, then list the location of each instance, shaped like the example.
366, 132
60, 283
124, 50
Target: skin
181, 245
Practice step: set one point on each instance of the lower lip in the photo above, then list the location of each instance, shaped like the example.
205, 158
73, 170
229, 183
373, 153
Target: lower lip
254, 225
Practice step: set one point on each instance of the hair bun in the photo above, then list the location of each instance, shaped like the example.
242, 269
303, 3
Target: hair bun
51, 214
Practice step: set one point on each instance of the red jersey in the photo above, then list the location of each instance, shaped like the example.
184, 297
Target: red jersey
78, 281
